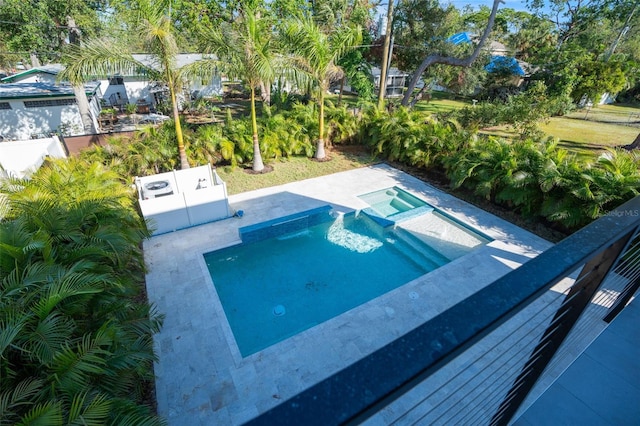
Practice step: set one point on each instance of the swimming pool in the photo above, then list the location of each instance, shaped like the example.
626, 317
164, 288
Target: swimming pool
390, 206
298, 271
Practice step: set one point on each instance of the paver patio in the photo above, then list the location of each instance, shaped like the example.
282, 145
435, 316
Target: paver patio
201, 378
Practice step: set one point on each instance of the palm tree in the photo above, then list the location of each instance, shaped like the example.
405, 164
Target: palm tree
316, 55
106, 57
75, 344
244, 50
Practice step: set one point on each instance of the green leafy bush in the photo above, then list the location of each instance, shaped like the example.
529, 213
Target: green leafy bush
523, 112
411, 136
542, 181
75, 339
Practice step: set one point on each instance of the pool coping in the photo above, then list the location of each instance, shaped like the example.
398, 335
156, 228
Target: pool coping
201, 377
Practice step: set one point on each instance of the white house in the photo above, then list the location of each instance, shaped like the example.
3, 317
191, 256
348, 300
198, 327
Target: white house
396, 81
33, 110
42, 74
120, 90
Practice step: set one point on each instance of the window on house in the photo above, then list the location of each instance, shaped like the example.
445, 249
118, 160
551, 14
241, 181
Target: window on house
49, 103
5, 105
116, 80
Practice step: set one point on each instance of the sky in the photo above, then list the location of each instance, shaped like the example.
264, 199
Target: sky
460, 4
512, 4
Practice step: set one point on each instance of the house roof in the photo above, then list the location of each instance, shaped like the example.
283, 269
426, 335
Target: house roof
498, 49
52, 69
41, 90
393, 72
182, 59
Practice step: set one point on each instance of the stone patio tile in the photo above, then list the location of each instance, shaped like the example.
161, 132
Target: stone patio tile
201, 376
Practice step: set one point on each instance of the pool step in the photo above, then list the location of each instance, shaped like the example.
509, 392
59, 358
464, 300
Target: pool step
417, 251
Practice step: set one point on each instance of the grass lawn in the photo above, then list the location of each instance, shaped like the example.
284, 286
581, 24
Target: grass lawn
584, 135
587, 137
295, 168
441, 102
624, 114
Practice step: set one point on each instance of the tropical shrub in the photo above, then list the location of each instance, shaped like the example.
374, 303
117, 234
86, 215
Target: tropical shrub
75, 337
410, 136
343, 124
283, 137
480, 116
542, 181
150, 150
306, 116
504, 172
585, 192
523, 112
238, 142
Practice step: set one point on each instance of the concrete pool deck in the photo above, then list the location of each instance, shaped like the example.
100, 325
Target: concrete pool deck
201, 377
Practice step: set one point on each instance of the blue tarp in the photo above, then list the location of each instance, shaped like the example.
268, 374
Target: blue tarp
459, 38
504, 63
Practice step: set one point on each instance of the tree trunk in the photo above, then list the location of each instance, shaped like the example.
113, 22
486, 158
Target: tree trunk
418, 96
633, 145
88, 123
385, 57
623, 30
265, 93
184, 162
320, 154
258, 165
449, 60
344, 77
35, 62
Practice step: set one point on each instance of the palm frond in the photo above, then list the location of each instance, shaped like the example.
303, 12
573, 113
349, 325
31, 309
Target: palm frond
14, 400
85, 410
72, 367
97, 58
45, 414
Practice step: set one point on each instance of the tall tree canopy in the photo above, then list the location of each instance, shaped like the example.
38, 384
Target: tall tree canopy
597, 47
316, 54
40, 27
244, 50
435, 57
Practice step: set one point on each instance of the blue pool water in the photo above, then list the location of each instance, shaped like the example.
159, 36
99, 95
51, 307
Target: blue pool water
274, 288
392, 205
391, 201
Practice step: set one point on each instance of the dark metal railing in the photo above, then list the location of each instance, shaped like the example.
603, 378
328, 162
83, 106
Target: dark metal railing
606, 250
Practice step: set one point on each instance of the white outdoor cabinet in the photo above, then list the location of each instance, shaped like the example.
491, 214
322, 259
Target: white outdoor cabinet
182, 198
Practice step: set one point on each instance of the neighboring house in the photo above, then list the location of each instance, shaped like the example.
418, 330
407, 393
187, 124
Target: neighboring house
33, 110
396, 81
120, 90
33, 104
500, 61
43, 74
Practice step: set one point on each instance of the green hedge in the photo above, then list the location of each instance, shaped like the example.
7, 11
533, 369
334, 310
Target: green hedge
75, 336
